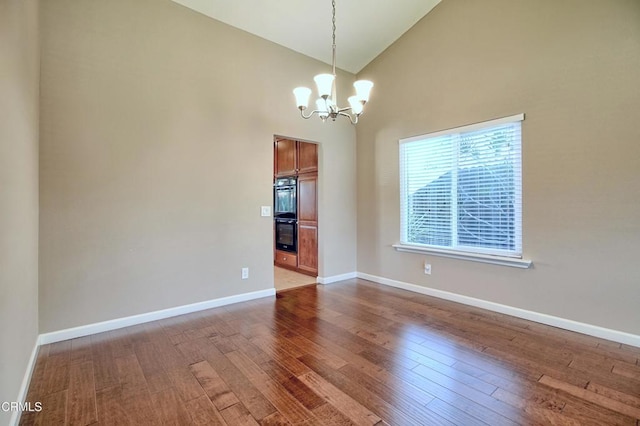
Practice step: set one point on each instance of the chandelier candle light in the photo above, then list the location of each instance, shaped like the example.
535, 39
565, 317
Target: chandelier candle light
327, 104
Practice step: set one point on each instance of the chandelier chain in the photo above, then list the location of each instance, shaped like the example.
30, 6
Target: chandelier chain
333, 46
333, 5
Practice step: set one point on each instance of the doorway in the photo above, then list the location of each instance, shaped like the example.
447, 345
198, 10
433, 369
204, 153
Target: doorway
295, 183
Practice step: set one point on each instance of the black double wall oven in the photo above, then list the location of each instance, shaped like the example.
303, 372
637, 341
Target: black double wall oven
285, 213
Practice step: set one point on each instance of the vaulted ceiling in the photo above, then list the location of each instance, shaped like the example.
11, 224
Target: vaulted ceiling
365, 28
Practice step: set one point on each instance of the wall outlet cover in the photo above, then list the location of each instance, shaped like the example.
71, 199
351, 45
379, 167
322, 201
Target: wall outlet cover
427, 268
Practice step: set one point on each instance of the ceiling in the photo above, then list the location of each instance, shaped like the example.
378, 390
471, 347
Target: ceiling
364, 28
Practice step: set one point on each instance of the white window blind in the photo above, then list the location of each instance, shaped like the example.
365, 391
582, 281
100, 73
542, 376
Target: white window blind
461, 189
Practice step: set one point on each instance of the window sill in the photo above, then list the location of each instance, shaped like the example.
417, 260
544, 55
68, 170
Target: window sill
474, 257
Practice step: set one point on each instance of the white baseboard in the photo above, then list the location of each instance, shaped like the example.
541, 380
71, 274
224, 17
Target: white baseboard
335, 278
85, 330
24, 387
567, 324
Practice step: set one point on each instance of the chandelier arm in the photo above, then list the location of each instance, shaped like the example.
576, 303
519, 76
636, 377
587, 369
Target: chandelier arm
306, 117
351, 118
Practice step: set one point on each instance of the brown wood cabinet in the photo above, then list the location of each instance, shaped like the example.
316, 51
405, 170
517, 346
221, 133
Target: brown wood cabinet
308, 198
307, 157
284, 258
308, 223
286, 157
308, 249
295, 158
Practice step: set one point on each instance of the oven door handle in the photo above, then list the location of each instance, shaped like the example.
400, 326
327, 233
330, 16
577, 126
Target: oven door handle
286, 221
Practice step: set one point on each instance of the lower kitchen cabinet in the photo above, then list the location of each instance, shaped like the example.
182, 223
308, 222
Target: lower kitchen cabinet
308, 249
287, 259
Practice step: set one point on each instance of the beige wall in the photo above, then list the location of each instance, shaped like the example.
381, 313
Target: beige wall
19, 62
156, 155
572, 67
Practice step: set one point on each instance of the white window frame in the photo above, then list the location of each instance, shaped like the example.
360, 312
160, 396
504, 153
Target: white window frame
468, 253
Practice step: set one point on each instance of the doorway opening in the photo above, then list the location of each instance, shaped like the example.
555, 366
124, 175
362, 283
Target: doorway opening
295, 211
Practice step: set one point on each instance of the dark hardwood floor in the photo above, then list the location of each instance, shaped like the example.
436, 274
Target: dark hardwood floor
348, 353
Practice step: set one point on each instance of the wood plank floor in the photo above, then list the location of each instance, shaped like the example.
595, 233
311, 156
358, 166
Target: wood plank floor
286, 279
349, 353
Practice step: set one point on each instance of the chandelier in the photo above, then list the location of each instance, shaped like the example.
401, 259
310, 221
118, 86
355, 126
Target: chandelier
327, 104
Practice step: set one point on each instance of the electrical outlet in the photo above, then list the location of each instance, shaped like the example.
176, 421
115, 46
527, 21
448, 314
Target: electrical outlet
427, 268
245, 273
265, 211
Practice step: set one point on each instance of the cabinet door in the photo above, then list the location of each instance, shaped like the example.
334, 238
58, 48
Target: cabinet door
286, 158
308, 223
307, 198
307, 157
308, 249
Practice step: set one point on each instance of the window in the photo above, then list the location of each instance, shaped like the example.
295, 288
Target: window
461, 189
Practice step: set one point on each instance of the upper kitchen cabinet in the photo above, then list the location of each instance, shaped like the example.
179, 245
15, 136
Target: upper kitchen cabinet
307, 157
293, 157
286, 157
